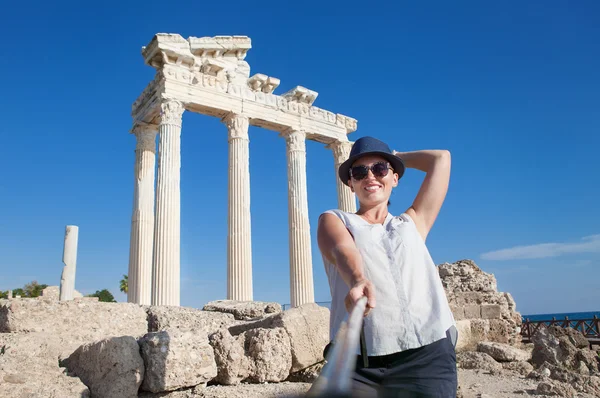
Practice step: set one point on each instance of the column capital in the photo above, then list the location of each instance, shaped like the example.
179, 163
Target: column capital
295, 139
341, 150
171, 112
237, 125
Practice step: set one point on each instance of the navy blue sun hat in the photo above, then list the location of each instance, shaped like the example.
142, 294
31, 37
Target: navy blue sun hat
370, 146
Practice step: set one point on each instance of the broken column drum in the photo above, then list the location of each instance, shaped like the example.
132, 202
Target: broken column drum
67, 279
209, 75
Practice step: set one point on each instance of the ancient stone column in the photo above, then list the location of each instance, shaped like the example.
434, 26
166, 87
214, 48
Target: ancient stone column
346, 198
142, 221
167, 223
301, 275
10, 296
239, 252
67, 279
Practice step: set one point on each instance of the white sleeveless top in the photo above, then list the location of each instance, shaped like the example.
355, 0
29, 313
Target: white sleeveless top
411, 305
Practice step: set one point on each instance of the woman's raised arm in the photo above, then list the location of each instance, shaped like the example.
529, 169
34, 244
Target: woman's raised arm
426, 206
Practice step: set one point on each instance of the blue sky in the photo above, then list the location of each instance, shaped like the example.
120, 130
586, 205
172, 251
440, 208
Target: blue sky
510, 89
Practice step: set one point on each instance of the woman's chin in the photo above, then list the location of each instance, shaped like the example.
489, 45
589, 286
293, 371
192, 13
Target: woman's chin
373, 200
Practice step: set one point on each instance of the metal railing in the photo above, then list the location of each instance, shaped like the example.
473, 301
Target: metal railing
589, 328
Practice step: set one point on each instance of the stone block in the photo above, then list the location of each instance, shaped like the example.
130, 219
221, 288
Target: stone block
464, 340
244, 310
73, 322
233, 365
271, 354
458, 312
523, 367
29, 368
503, 352
53, 293
175, 359
308, 328
480, 329
182, 318
110, 367
499, 331
472, 311
258, 355
491, 311
477, 360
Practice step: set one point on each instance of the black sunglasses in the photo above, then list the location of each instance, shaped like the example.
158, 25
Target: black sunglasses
379, 169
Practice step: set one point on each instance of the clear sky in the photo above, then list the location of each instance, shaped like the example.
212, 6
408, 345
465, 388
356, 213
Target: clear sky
510, 88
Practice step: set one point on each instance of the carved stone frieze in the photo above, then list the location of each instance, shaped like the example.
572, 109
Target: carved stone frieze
245, 92
237, 125
217, 64
295, 140
181, 74
171, 112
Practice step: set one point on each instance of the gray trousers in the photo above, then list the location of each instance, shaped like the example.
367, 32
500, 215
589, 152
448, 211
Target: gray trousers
424, 372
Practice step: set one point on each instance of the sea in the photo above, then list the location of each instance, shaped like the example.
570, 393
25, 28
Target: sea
531, 317
561, 316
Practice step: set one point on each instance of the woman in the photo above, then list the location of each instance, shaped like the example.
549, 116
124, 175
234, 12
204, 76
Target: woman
384, 257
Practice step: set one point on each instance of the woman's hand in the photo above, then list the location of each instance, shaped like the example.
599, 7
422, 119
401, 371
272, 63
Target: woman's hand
361, 288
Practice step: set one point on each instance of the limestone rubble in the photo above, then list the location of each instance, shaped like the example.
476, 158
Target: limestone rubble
251, 349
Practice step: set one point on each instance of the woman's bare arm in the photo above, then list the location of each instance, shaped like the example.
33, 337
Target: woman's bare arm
428, 202
337, 245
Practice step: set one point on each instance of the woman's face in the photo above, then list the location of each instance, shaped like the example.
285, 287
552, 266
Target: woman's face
374, 188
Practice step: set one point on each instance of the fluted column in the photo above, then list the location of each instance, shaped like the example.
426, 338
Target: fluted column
346, 198
166, 261
239, 252
301, 275
142, 221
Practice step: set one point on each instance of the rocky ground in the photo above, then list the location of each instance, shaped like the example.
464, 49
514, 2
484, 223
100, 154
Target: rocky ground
473, 383
84, 348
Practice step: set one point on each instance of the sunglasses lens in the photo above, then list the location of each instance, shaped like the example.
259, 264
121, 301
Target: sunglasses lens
359, 172
380, 169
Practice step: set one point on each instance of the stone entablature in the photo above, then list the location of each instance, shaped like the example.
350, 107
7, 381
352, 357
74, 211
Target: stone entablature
214, 82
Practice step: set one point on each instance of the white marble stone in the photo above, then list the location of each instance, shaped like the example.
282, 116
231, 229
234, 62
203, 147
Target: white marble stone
67, 279
210, 76
142, 220
301, 94
346, 198
301, 275
167, 228
239, 252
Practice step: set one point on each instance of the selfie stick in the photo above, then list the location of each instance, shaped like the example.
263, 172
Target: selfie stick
336, 375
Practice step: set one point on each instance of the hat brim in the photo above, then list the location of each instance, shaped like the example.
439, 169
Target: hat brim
395, 161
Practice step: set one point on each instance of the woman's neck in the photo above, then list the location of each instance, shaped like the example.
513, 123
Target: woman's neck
374, 214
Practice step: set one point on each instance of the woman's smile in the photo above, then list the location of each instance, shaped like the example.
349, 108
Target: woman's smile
372, 187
